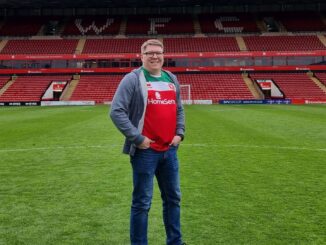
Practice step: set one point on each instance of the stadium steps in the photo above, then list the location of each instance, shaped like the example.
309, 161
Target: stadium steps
123, 28
161, 40
61, 26
7, 85
197, 28
280, 26
256, 92
322, 38
316, 81
70, 88
80, 46
3, 43
241, 43
323, 18
261, 25
3, 81
41, 31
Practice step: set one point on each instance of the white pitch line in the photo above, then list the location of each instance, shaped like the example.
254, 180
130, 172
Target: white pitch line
260, 146
183, 144
57, 147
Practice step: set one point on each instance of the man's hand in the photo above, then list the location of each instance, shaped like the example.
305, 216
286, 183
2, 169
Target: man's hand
176, 140
145, 144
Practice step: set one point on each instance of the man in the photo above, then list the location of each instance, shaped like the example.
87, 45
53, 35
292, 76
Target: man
147, 109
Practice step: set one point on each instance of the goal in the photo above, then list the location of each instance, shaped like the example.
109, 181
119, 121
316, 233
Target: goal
185, 92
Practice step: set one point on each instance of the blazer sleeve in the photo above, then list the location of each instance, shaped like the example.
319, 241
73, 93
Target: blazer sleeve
120, 109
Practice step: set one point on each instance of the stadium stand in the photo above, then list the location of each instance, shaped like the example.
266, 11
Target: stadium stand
223, 23
98, 88
97, 46
201, 44
30, 88
283, 43
3, 81
216, 86
293, 85
183, 34
321, 76
92, 25
159, 24
60, 46
301, 22
22, 26
101, 88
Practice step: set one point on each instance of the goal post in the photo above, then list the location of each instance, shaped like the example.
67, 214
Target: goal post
185, 92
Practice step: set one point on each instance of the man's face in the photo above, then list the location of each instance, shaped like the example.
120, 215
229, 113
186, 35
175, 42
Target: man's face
153, 59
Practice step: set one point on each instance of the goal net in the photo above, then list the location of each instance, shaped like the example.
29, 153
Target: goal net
185, 92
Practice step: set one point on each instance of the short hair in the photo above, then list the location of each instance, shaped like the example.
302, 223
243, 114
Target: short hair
154, 42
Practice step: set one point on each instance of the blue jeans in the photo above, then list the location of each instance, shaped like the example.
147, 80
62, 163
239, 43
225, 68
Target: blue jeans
165, 166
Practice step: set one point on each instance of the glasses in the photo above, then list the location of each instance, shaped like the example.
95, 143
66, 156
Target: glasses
152, 54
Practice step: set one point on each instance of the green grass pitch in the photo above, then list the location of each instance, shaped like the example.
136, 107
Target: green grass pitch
250, 174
